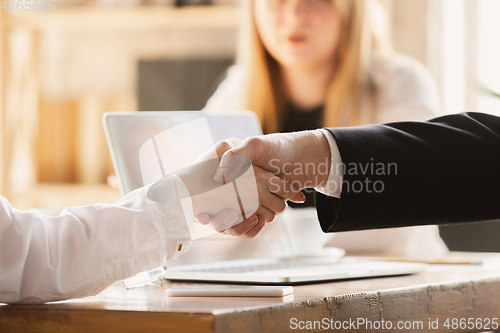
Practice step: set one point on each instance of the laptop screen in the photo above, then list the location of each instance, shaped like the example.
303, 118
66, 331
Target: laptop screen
187, 135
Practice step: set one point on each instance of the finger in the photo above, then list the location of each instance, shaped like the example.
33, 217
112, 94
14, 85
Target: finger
234, 166
265, 213
202, 218
222, 146
272, 202
284, 189
219, 149
224, 220
255, 230
262, 214
243, 227
252, 148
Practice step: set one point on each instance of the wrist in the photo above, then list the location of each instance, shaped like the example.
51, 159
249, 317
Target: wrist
325, 156
317, 152
333, 186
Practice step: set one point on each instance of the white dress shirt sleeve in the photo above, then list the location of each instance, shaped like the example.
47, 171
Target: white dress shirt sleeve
333, 187
85, 249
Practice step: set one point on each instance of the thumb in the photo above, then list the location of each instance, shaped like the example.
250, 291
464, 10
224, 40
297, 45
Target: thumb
230, 168
234, 162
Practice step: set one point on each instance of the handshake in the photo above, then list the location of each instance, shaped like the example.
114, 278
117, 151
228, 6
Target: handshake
237, 187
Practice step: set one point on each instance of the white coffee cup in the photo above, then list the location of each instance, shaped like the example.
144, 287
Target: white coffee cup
302, 229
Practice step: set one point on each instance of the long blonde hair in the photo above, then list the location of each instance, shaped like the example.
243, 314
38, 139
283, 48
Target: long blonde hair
343, 104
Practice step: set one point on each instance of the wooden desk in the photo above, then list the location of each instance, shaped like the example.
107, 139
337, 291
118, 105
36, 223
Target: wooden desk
441, 292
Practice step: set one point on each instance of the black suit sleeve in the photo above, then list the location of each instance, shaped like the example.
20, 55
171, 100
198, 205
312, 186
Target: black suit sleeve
446, 170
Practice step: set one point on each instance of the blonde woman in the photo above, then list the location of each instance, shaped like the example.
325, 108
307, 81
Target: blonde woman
304, 64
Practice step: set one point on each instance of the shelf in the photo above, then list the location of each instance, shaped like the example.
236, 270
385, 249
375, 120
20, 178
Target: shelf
75, 19
53, 197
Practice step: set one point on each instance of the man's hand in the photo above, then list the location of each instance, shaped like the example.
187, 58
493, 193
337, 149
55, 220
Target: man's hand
301, 158
273, 193
296, 160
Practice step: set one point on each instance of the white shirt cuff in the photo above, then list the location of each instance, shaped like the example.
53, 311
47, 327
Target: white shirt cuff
333, 187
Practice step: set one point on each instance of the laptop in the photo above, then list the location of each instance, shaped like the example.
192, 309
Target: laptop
128, 132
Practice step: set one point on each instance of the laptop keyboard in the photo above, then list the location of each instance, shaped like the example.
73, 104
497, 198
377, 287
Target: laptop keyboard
286, 270
282, 264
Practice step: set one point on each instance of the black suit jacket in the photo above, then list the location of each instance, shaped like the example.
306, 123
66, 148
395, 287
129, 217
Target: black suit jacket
446, 170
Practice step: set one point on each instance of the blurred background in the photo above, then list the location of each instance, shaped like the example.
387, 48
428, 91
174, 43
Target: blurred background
61, 70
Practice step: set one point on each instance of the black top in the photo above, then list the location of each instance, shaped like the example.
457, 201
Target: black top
447, 171
301, 120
